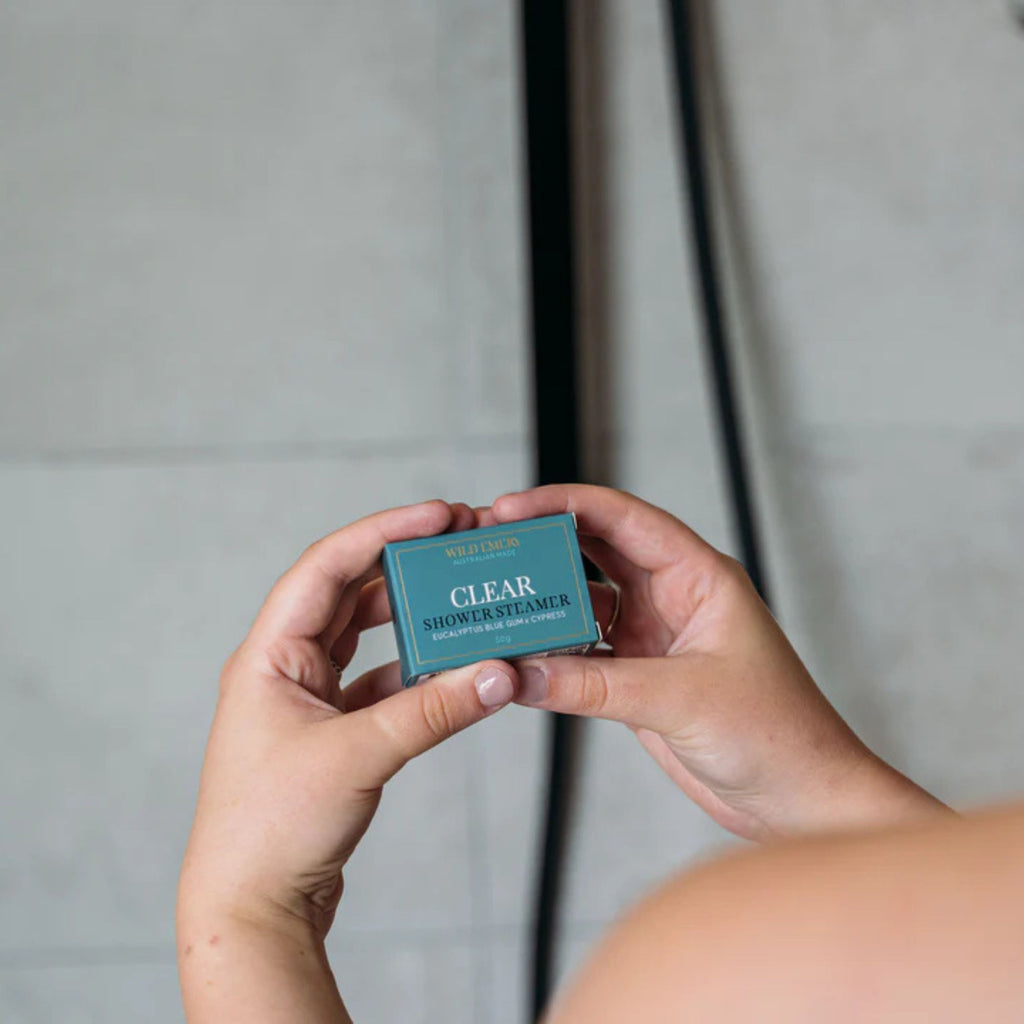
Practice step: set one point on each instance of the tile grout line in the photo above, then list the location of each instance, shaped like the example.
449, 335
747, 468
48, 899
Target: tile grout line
144, 456
165, 954
272, 452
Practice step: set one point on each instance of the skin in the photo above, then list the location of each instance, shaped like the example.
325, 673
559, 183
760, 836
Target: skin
707, 680
698, 669
923, 922
293, 774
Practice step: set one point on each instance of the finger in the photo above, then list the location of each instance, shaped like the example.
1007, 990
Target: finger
351, 597
372, 686
647, 693
304, 600
484, 516
647, 536
463, 517
398, 728
371, 609
617, 567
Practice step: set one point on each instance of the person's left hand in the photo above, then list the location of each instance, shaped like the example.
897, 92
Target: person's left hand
295, 764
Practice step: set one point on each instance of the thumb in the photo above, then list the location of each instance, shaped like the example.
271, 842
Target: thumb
642, 692
398, 728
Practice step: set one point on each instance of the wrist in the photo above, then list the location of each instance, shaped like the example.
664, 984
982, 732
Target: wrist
261, 967
209, 931
868, 793
201, 926
209, 893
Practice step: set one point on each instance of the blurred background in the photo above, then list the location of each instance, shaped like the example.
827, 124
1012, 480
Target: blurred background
263, 269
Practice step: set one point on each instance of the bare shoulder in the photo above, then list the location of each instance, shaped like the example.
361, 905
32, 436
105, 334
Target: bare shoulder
923, 922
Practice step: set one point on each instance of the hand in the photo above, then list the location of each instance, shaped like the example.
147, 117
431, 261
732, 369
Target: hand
295, 764
706, 678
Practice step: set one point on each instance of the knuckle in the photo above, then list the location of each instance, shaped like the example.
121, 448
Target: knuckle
227, 673
297, 662
438, 713
313, 554
233, 668
732, 573
312, 549
593, 688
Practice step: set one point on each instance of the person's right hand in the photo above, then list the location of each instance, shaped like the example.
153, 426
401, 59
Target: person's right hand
707, 680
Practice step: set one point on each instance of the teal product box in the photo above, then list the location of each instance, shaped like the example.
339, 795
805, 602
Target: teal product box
511, 591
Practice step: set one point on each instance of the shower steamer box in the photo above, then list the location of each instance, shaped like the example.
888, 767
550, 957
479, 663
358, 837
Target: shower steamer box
509, 591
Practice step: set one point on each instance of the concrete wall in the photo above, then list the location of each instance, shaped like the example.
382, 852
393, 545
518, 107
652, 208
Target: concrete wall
261, 271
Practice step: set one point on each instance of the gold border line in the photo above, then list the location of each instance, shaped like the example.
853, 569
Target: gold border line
509, 529
465, 654
491, 650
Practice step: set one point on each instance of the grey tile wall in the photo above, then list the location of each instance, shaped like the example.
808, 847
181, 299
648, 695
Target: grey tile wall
90, 992
882, 188
193, 225
261, 271
259, 277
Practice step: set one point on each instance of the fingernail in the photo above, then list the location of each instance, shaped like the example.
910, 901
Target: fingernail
533, 685
493, 687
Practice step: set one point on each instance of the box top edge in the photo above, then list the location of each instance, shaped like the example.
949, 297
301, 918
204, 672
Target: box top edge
484, 530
